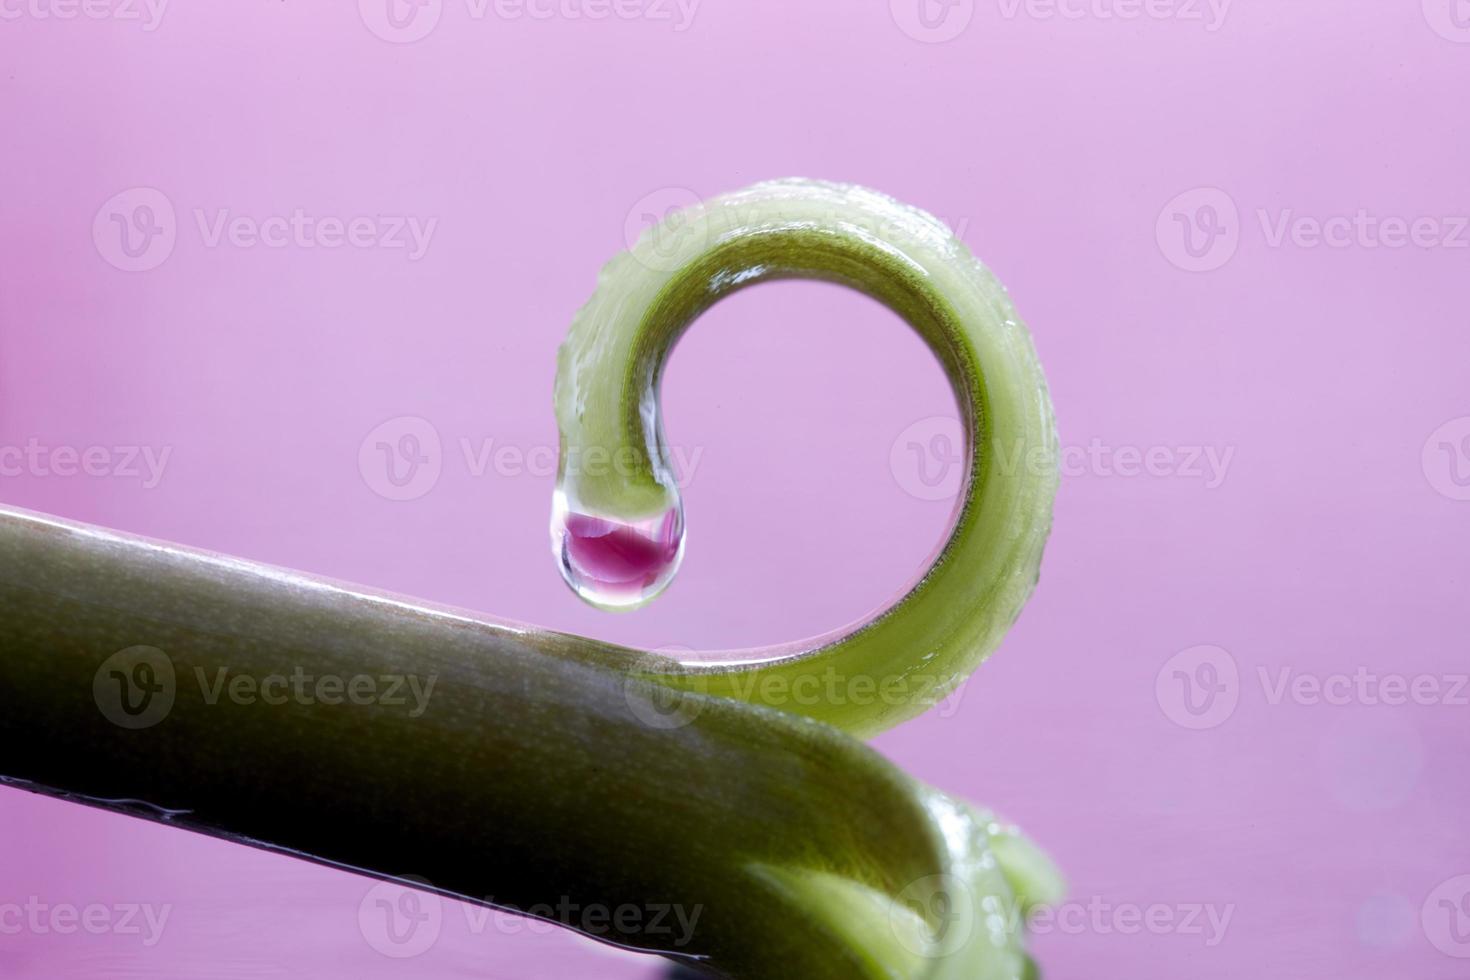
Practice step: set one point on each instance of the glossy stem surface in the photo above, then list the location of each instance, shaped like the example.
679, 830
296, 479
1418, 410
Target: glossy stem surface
537, 771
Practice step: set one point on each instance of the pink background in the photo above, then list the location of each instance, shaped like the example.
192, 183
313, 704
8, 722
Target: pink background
1334, 376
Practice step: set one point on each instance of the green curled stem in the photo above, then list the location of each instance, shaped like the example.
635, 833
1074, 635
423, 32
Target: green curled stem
918, 650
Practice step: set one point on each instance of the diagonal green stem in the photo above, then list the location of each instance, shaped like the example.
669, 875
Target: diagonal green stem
537, 772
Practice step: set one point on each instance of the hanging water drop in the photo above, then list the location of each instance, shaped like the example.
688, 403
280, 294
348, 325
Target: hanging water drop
613, 563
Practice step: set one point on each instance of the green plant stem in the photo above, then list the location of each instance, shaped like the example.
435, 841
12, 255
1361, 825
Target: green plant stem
538, 772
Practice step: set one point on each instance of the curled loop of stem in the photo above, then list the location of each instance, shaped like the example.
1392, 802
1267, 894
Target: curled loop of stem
913, 653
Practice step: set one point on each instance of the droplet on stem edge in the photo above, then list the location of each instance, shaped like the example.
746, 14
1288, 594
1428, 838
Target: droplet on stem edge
613, 563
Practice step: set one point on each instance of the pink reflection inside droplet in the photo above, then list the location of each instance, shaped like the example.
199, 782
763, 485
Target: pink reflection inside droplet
616, 563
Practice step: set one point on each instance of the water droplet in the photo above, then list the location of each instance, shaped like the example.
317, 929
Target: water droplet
612, 563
